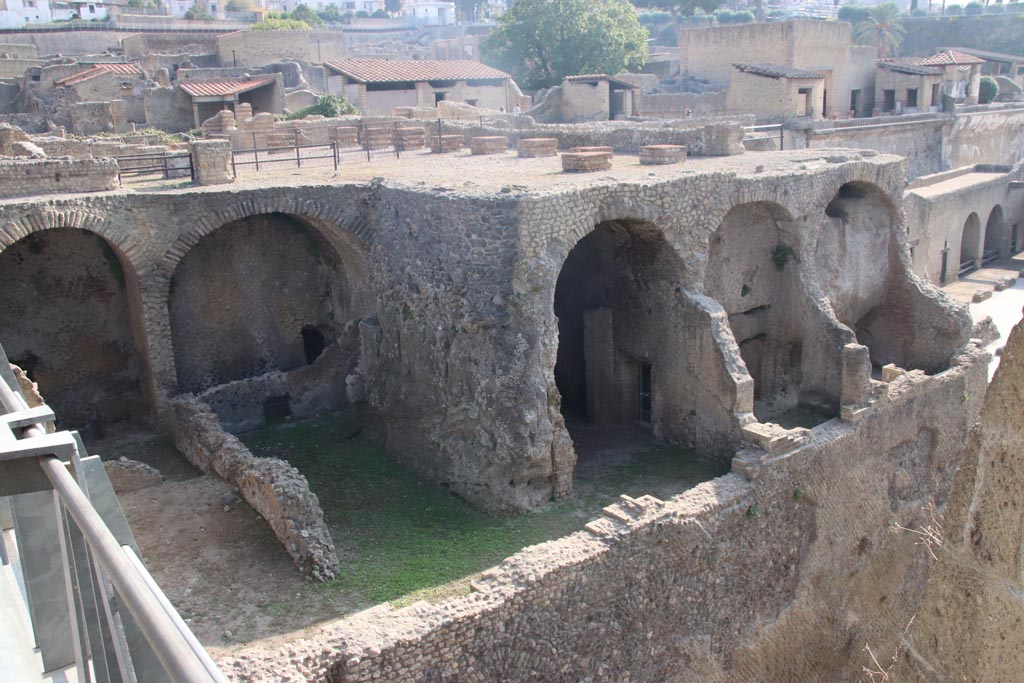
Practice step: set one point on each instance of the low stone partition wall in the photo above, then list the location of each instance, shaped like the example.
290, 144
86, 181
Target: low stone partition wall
662, 154
306, 391
489, 144
411, 137
28, 177
537, 147
586, 162
587, 150
440, 144
790, 572
274, 489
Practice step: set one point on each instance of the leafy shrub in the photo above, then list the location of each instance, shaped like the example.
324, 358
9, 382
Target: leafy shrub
739, 17
994, 9
380, 14
197, 13
954, 10
919, 13
654, 18
987, 90
973, 9
854, 14
281, 25
668, 36
326, 105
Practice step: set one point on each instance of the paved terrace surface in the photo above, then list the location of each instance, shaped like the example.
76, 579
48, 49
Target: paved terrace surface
466, 174
958, 183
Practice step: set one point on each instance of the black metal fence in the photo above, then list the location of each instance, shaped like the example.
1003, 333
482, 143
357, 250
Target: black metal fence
163, 165
318, 147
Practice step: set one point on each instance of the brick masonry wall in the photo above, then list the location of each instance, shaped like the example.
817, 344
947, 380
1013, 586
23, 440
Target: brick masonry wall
780, 578
55, 176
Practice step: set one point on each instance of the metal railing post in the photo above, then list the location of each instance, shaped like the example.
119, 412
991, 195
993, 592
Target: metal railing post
298, 152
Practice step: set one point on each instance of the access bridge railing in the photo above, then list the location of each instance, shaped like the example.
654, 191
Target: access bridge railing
74, 593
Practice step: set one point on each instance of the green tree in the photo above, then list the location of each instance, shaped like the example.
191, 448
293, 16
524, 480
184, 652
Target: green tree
883, 29
141, 4
681, 8
198, 13
542, 41
326, 105
392, 6
281, 25
304, 13
987, 90
854, 14
238, 5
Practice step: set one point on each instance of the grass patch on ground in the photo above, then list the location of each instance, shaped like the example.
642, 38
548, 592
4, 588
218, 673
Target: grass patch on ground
401, 538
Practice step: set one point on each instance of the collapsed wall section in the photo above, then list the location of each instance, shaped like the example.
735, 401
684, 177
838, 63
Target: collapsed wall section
274, 489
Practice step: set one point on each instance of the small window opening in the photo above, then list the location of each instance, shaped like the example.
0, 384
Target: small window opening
912, 97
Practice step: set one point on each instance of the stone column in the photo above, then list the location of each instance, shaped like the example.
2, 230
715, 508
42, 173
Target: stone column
856, 392
211, 161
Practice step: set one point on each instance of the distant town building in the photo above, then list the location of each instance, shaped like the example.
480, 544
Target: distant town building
15, 13
431, 12
378, 86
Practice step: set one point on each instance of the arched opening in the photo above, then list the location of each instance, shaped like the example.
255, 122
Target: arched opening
970, 245
752, 272
627, 346
611, 286
261, 294
997, 242
869, 290
69, 316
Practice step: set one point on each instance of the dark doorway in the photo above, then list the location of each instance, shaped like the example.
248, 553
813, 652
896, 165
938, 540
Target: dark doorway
277, 409
313, 343
439, 97
888, 100
912, 97
854, 100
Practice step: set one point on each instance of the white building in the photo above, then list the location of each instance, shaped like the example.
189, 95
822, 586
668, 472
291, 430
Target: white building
15, 13
431, 12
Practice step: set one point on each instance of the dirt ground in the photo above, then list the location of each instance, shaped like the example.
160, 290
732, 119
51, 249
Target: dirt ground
234, 584
225, 572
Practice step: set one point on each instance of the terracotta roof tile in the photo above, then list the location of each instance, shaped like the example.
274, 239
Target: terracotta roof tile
222, 87
948, 57
96, 70
386, 71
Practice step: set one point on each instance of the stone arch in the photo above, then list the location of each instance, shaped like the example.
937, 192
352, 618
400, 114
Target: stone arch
341, 226
996, 243
752, 272
970, 244
246, 297
72, 311
629, 338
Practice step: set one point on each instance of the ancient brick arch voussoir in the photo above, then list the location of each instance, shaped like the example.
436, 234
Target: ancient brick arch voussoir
351, 224
38, 220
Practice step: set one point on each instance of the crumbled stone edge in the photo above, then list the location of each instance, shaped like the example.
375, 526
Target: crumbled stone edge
275, 489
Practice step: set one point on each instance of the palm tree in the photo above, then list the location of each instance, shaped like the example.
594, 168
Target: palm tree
883, 30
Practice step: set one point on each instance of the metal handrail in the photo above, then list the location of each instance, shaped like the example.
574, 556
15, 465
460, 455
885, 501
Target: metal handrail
175, 650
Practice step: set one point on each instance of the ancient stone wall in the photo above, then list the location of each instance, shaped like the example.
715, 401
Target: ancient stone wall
995, 136
33, 177
256, 48
66, 321
785, 577
969, 620
272, 487
921, 142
